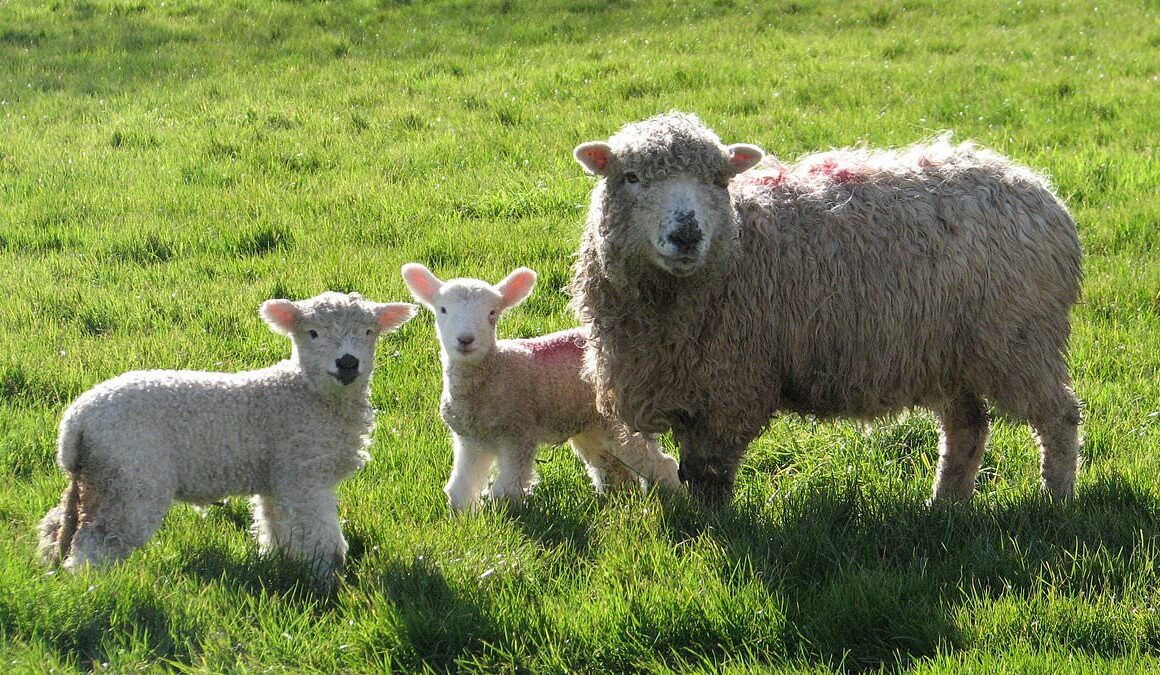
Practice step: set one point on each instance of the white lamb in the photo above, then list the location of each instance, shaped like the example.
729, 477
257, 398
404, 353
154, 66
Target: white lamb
286, 434
502, 398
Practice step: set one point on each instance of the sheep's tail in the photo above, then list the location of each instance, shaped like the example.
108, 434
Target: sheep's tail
59, 526
69, 509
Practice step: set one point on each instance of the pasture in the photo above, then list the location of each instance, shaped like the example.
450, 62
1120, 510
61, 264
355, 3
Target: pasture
167, 166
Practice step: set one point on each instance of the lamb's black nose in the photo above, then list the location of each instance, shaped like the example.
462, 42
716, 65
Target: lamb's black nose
347, 362
465, 339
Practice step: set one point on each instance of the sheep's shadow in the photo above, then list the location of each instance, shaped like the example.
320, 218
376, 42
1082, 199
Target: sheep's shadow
869, 582
440, 623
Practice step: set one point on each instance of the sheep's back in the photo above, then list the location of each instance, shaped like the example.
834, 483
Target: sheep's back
889, 286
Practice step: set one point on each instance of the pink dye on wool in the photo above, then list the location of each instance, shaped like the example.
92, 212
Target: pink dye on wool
841, 173
767, 178
565, 345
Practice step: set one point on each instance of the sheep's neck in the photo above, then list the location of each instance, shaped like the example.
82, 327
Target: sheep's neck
463, 379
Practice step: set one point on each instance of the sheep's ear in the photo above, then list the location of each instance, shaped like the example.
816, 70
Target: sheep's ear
281, 314
394, 314
516, 286
743, 157
595, 157
422, 283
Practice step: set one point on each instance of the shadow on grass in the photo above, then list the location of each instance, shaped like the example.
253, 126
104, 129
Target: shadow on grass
871, 582
437, 624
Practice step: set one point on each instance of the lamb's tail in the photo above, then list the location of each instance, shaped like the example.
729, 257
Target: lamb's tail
59, 525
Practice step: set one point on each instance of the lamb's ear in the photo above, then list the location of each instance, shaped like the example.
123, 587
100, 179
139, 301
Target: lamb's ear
743, 157
394, 314
281, 314
516, 287
422, 283
595, 157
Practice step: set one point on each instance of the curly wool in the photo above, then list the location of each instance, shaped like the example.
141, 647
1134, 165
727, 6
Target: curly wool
287, 434
852, 283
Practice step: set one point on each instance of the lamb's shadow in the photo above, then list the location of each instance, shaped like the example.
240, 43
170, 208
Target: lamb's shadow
440, 623
868, 582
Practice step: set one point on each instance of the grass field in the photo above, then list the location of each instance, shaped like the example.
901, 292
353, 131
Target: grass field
167, 166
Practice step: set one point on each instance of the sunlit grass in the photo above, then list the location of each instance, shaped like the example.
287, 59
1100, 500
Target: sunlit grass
166, 167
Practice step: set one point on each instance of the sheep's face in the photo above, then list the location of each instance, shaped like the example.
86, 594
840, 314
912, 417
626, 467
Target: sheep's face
665, 190
467, 310
334, 334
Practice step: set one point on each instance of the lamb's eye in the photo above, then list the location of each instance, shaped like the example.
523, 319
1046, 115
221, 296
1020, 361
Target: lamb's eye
492, 313
312, 333
369, 331
631, 177
442, 310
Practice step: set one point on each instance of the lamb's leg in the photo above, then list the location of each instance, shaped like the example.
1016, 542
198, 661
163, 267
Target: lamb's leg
304, 524
517, 465
471, 464
963, 429
596, 449
708, 463
115, 520
1055, 422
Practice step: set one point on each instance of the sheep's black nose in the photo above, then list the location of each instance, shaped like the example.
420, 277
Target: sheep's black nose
466, 339
347, 362
688, 234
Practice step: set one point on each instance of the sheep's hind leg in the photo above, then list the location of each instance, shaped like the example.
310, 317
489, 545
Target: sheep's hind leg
708, 464
116, 522
1056, 428
597, 450
963, 430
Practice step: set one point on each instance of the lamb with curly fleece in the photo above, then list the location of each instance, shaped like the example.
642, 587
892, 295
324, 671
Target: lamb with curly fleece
286, 435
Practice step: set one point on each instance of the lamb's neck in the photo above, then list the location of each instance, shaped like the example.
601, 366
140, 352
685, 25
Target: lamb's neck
467, 379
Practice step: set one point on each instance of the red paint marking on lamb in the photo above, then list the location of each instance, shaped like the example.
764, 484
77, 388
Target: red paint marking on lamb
564, 345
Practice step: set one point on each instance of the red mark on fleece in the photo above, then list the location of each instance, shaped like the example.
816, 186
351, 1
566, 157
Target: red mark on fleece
841, 173
769, 178
566, 345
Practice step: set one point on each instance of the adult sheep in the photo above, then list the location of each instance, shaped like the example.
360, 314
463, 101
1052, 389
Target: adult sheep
852, 283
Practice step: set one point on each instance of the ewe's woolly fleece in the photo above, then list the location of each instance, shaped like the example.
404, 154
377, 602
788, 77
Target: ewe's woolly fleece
853, 283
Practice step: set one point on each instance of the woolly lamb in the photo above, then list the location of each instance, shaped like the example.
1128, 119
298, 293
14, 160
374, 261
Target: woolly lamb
286, 434
501, 398
853, 283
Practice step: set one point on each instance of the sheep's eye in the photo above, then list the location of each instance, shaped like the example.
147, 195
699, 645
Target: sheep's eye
312, 333
631, 177
442, 310
369, 331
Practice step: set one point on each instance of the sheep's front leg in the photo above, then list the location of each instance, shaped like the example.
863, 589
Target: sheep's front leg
708, 463
471, 464
305, 525
517, 464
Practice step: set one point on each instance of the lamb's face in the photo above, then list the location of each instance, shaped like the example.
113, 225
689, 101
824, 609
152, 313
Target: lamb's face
467, 310
334, 334
665, 193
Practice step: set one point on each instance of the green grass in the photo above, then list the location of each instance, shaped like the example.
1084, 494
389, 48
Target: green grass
167, 166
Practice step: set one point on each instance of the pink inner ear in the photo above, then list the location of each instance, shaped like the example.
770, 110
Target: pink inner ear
281, 313
393, 315
423, 284
743, 157
517, 286
595, 157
